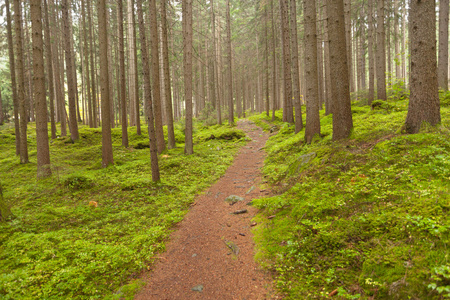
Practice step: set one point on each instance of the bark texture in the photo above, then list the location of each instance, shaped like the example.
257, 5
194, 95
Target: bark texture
187, 66
381, 52
443, 44
296, 68
43, 151
288, 115
424, 100
312, 86
342, 113
148, 95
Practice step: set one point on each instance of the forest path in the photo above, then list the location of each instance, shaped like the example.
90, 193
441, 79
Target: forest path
210, 254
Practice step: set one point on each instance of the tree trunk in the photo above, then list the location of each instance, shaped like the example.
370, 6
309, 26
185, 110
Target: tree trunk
20, 82
131, 62
136, 77
122, 80
348, 39
148, 95
274, 65
295, 68
154, 42
49, 55
107, 154
73, 125
312, 85
215, 66
167, 87
288, 115
328, 95
424, 100
43, 151
443, 44
362, 39
396, 41
187, 66
381, 52
230, 75
12, 70
93, 78
342, 113
60, 105
371, 35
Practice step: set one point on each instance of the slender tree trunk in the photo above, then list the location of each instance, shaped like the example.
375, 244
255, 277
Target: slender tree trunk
167, 87
187, 66
266, 59
93, 78
107, 153
154, 42
342, 113
20, 82
320, 55
328, 97
230, 75
1, 108
295, 68
424, 100
312, 85
286, 52
371, 34
215, 64
43, 151
362, 39
388, 41
131, 64
148, 95
49, 55
381, 52
404, 50
69, 71
136, 79
12, 70
348, 38
86, 65
443, 44
396, 40
123, 87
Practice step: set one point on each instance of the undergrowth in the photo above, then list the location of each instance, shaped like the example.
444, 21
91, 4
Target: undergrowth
361, 218
88, 232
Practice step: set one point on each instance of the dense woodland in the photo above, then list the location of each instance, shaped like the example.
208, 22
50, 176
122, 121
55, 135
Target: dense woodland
347, 80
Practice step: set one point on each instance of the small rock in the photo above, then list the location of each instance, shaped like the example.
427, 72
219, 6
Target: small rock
233, 247
194, 255
232, 199
238, 212
250, 190
253, 224
198, 288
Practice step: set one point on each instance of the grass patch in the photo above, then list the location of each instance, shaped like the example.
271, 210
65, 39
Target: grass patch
367, 217
88, 232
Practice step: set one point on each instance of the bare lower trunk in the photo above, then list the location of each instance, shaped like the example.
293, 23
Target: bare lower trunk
286, 53
443, 44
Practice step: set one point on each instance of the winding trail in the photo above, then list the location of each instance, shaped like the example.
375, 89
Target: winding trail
210, 254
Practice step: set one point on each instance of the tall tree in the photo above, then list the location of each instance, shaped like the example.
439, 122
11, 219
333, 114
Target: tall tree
107, 154
167, 87
340, 91
43, 151
288, 115
20, 82
312, 86
381, 52
230, 75
73, 124
91, 62
443, 44
1, 108
154, 42
187, 66
274, 64
296, 69
148, 95
371, 35
122, 81
215, 65
48, 49
12, 70
424, 100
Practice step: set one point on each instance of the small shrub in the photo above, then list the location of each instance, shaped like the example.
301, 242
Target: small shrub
77, 182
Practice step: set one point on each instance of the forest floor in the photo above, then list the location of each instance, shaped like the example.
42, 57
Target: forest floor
211, 253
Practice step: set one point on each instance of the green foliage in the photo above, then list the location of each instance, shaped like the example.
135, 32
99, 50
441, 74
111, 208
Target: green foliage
87, 232
367, 217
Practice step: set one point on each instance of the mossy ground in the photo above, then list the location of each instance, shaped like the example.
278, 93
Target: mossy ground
88, 232
367, 216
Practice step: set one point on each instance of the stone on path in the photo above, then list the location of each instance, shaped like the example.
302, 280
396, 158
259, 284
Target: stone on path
232, 199
198, 288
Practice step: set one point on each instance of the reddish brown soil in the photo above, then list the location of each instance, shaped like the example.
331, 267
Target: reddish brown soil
197, 253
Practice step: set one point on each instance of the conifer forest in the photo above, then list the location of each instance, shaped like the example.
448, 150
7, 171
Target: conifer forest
224, 149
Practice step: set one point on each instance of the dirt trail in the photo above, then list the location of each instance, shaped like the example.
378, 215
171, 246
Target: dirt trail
210, 255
